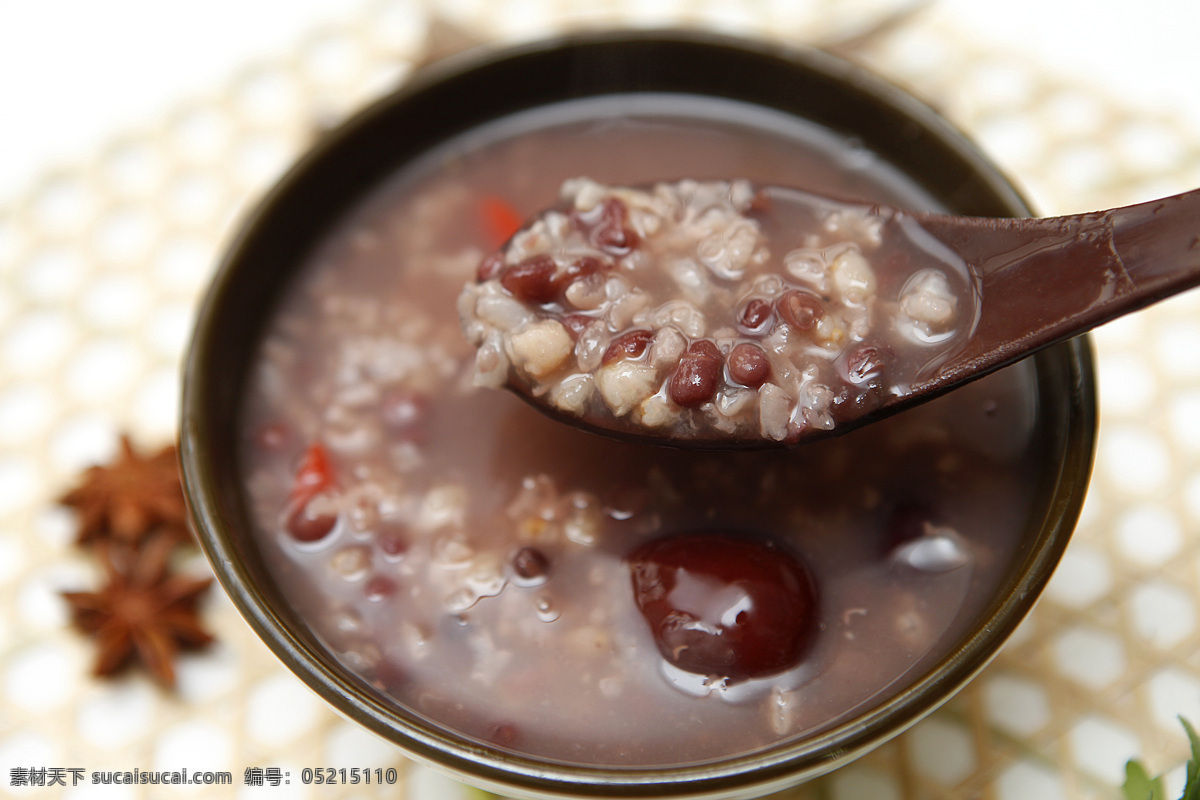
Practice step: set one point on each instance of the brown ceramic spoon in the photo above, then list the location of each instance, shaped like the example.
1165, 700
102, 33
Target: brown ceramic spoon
1023, 285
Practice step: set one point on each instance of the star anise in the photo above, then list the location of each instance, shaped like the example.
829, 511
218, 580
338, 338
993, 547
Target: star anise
130, 497
143, 612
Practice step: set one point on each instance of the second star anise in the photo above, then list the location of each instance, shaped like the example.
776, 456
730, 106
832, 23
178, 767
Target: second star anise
143, 612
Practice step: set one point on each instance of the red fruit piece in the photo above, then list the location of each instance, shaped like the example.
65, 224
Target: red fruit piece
500, 220
725, 606
307, 521
314, 475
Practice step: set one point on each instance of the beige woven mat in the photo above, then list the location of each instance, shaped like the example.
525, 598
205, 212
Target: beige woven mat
101, 265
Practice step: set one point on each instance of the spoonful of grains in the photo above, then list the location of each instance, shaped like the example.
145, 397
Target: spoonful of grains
723, 314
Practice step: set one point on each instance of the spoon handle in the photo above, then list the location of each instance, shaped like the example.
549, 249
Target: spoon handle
1042, 281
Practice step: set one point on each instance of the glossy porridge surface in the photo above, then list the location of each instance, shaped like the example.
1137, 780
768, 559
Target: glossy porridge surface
472, 558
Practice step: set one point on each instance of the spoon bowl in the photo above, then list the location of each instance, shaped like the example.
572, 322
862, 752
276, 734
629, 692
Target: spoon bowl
727, 315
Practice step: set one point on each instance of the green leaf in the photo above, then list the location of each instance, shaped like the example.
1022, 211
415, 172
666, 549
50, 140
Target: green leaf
1191, 789
1140, 786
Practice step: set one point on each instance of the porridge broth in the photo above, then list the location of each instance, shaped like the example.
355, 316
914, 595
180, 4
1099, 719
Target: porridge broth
470, 557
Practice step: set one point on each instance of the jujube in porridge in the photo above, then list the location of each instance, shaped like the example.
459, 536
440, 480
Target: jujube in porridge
587, 600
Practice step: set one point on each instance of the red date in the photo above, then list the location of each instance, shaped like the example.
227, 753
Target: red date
722, 605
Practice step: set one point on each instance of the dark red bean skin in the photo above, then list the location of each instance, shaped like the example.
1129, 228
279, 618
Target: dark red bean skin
705, 347
718, 604
392, 538
584, 266
533, 280
865, 363
490, 267
531, 566
760, 204
697, 376
393, 545
630, 344
306, 525
576, 324
748, 365
607, 227
800, 310
756, 315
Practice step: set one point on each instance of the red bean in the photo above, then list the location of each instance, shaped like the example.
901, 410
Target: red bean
630, 344
392, 539
607, 227
576, 324
800, 310
533, 280
705, 347
585, 265
308, 523
697, 376
760, 204
865, 362
489, 268
755, 315
748, 365
585, 270
531, 566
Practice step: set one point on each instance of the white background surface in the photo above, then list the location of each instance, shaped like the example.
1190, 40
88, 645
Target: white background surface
76, 73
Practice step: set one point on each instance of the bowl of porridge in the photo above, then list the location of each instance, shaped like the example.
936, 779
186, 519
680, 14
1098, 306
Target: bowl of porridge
546, 612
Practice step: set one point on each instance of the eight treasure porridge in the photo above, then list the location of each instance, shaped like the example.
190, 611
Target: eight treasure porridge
587, 600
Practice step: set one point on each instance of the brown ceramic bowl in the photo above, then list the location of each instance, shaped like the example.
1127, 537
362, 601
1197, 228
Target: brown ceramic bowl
458, 95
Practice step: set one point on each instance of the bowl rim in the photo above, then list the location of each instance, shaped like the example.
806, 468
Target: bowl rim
746, 774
